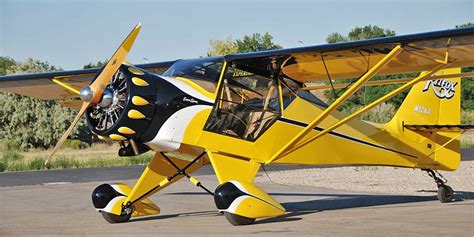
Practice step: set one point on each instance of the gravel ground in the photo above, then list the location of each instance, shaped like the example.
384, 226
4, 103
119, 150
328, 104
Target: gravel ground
376, 179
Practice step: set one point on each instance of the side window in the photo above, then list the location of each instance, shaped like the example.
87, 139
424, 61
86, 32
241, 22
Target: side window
288, 90
247, 104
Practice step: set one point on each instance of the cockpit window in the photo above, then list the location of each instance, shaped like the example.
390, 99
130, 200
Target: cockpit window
306, 95
207, 69
247, 104
290, 89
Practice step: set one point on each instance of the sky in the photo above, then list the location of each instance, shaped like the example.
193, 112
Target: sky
72, 33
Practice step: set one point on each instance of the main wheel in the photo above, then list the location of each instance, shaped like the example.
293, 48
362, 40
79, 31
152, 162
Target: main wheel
112, 218
238, 220
445, 194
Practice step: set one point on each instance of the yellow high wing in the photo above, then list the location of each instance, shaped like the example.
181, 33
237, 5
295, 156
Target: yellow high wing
60, 85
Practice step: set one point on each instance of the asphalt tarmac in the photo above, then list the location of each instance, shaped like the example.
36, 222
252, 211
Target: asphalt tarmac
8, 179
57, 203
116, 173
66, 209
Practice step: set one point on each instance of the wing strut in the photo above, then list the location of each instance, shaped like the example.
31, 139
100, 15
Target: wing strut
349, 92
400, 89
292, 145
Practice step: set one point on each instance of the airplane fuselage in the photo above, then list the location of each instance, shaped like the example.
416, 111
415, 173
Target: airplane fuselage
180, 112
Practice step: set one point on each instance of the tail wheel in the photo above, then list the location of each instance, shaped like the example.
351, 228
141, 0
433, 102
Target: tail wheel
445, 194
238, 220
111, 218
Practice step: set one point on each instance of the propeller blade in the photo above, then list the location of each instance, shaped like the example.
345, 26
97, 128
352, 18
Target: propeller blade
63, 138
113, 65
98, 86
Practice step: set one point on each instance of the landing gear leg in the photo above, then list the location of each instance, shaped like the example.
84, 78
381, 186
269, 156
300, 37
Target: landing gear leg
445, 192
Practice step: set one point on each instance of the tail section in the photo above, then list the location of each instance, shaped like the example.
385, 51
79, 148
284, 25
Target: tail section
432, 104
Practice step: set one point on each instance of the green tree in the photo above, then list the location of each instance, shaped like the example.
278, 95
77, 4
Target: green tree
369, 32
467, 84
249, 43
366, 94
32, 122
469, 24
256, 42
95, 65
335, 38
5, 64
360, 33
222, 47
467, 91
31, 66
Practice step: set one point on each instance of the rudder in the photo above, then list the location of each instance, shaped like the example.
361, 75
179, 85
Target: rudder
434, 102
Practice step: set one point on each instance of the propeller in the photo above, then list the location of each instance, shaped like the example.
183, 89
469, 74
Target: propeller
91, 95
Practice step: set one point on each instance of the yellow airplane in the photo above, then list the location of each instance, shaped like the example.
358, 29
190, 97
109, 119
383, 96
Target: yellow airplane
243, 111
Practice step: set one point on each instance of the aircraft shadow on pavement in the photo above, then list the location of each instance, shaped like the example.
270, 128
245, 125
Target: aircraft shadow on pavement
339, 202
326, 202
458, 195
186, 214
347, 201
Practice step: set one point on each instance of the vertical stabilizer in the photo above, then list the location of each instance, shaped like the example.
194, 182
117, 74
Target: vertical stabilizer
435, 102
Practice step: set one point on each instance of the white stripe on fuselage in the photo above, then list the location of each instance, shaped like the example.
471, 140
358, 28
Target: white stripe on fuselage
171, 134
187, 89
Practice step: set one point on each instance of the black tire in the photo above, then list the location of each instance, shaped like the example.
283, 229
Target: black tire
445, 194
238, 220
112, 218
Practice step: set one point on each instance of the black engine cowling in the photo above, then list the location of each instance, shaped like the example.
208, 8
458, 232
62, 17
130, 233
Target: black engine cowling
134, 107
127, 107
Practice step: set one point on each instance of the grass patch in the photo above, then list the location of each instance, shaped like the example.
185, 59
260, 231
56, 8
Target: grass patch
467, 144
3, 165
381, 113
63, 162
36, 164
75, 144
467, 117
17, 166
467, 139
10, 145
74, 155
11, 156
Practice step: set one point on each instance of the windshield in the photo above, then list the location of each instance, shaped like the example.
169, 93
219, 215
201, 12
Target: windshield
207, 69
247, 105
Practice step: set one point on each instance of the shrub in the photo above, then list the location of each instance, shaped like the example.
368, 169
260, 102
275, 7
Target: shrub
10, 145
10, 156
139, 160
36, 164
64, 163
75, 144
3, 166
467, 142
382, 113
467, 117
16, 166
98, 162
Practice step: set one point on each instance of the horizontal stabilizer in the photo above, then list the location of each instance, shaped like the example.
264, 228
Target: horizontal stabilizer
439, 127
